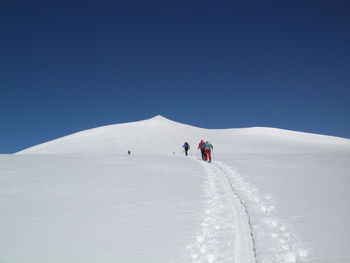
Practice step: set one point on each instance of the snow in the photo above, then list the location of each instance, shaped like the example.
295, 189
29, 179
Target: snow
159, 135
97, 209
310, 192
270, 195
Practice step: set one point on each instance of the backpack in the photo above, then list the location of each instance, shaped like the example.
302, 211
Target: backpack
208, 146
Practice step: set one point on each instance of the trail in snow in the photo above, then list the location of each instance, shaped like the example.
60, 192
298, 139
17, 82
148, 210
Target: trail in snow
225, 234
246, 216
230, 232
293, 169
274, 238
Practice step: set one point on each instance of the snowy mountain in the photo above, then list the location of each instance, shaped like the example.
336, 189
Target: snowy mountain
159, 135
270, 195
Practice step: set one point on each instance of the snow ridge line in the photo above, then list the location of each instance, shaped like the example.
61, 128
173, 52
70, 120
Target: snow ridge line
222, 168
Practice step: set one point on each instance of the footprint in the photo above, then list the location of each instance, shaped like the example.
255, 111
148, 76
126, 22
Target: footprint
264, 209
210, 258
286, 247
203, 249
200, 239
303, 253
290, 257
274, 235
287, 234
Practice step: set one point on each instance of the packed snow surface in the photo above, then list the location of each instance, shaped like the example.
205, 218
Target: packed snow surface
270, 195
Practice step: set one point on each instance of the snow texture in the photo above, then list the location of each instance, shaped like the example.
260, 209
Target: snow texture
270, 195
162, 136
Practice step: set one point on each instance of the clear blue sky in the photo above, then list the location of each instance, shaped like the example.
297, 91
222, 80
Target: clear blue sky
67, 66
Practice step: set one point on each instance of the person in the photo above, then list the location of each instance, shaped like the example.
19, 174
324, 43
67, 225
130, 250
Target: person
201, 147
186, 146
129, 152
208, 147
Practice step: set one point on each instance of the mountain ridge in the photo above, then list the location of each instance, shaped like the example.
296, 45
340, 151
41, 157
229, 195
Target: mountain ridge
160, 135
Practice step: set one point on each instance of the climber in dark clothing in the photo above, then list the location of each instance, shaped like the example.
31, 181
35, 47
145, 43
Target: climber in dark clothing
186, 147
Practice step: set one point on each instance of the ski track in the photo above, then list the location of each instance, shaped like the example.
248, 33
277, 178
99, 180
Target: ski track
225, 233
236, 220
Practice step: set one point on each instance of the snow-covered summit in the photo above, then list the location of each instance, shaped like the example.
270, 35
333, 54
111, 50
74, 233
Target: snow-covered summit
252, 202
159, 135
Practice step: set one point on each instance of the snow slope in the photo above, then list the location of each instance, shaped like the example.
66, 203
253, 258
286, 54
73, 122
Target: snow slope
97, 209
308, 194
159, 135
66, 208
271, 195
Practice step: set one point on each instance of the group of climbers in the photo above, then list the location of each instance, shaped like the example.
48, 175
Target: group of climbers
204, 146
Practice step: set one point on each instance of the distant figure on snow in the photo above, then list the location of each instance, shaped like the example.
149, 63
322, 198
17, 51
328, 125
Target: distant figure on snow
207, 148
201, 147
186, 146
129, 152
